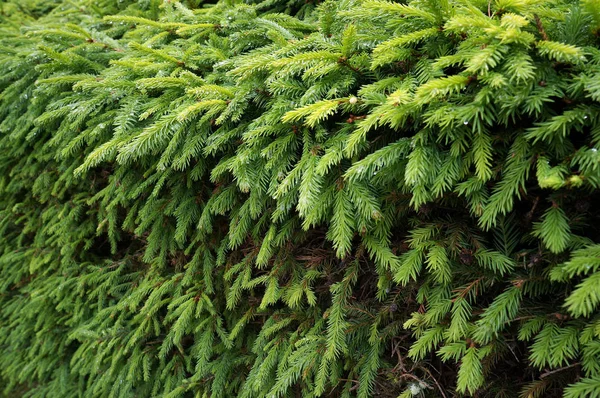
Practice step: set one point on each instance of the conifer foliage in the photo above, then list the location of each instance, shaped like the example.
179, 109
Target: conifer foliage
288, 198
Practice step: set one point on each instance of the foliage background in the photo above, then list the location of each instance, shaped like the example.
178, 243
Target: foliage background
299, 198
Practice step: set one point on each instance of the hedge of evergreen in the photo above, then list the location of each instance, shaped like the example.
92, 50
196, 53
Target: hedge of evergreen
300, 198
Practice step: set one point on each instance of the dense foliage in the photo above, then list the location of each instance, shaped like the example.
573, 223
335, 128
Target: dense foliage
288, 198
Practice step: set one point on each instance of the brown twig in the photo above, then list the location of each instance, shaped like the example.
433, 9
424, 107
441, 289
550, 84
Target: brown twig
538, 23
435, 381
550, 372
529, 214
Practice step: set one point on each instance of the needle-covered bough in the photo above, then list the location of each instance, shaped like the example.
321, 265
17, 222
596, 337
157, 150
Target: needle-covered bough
290, 198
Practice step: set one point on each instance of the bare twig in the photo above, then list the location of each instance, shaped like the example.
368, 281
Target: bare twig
538, 23
550, 372
435, 381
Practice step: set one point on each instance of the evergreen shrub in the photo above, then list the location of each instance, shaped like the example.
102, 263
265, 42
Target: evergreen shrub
290, 198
